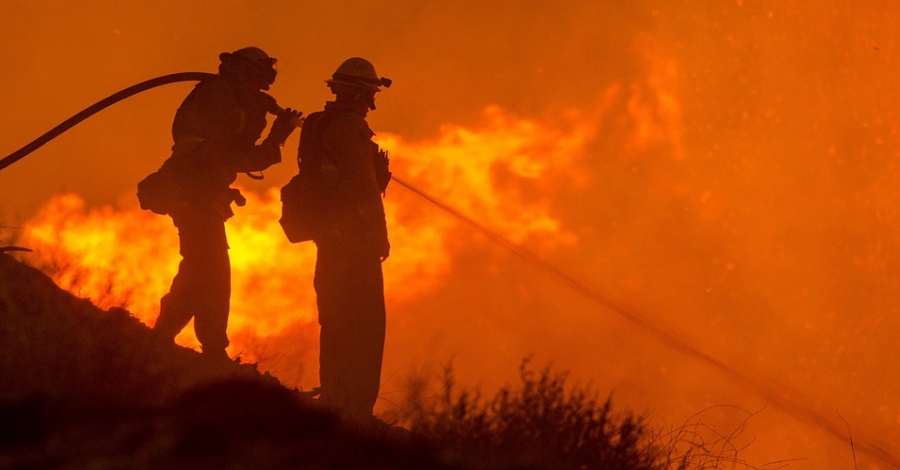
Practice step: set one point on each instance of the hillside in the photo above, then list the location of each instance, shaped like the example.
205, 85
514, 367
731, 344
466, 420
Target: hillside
85, 388
81, 387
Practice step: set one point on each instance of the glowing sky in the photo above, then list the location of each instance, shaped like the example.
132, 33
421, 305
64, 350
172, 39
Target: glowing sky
729, 169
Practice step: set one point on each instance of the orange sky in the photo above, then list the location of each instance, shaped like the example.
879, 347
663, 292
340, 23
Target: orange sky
728, 169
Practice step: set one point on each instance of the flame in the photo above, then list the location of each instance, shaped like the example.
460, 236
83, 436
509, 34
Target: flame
731, 166
503, 171
506, 172
653, 104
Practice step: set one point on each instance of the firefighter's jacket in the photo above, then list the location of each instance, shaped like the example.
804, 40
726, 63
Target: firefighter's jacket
340, 139
215, 133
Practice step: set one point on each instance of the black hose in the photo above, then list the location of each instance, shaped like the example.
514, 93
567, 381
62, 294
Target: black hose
97, 107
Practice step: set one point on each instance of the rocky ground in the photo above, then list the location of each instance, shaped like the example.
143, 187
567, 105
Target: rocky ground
86, 388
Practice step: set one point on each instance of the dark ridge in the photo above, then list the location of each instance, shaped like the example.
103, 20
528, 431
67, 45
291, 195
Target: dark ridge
85, 388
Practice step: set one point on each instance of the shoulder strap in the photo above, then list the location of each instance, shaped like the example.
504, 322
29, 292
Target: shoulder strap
311, 145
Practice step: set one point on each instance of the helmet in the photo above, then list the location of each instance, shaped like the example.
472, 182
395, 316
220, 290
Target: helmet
357, 72
257, 61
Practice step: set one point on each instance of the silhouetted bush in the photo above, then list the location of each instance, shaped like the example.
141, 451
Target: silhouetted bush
539, 424
543, 424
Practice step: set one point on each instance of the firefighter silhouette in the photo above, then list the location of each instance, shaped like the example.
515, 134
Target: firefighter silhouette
215, 131
352, 241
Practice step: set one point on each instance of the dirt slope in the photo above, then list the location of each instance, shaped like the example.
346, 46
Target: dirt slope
81, 387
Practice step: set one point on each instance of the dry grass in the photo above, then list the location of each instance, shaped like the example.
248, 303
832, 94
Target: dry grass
544, 423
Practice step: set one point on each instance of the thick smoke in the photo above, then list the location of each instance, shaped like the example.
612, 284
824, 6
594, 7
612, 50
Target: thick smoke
736, 181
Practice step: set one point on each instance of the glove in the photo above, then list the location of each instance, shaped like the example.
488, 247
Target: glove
382, 171
283, 126
235, 196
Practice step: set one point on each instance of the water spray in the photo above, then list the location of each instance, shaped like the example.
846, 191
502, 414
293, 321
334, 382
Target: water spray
781, 397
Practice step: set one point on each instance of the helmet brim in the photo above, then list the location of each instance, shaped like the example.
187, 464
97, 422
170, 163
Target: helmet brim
352, 84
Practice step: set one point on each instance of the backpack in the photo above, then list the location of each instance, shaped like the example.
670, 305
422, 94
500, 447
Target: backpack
159, 192
301, 215
304, 199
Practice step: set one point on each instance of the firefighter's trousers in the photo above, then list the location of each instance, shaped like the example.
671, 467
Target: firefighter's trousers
350, 297
202, 288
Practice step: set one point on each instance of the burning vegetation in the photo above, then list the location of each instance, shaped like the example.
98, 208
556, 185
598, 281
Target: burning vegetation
516, 176
727, 169
127, 257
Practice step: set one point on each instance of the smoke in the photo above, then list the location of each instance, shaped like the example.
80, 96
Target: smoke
128, 257
727, 169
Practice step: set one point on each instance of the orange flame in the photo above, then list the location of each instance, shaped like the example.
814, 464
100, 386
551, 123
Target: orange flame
744, 186
503, 172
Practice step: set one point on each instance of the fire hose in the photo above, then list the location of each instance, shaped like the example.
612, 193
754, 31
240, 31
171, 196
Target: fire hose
110, 100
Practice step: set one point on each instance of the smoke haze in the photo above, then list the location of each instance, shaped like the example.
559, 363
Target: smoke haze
728, 170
